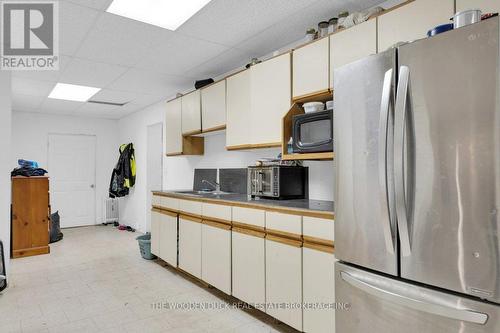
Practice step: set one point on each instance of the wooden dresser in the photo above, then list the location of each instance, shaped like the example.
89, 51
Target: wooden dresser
30, 216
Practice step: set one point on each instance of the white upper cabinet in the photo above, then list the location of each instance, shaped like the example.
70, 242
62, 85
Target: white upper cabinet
412, 21
352, 44
173, 122
238, 109
270, 99
191, 112
486, 6
213, 106
311, 68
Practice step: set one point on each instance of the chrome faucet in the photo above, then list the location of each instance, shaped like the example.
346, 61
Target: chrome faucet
215, 185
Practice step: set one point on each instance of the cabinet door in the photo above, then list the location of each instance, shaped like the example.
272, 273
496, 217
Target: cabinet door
216, 257
311, 68
319, 288
248, 272
191, 113
173, 135
190, 246
343, 50
284, 282
155, 233
213, 106
271, 97
486, 6
238, 109
168, 239
412, 21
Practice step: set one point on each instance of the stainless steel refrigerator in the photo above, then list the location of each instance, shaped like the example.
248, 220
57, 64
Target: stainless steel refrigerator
417, 141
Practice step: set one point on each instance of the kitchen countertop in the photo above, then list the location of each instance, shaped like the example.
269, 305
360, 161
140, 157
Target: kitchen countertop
314, 208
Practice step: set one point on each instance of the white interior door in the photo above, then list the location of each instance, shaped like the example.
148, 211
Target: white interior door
72, 172
154, 165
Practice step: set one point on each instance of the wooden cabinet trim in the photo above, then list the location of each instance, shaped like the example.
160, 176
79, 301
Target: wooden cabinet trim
215, 219
316, 240
319, 247
164, 211
249, 226
214, 129
254, 146
218, 225
190, 218
286, 241
249, 232
283, 234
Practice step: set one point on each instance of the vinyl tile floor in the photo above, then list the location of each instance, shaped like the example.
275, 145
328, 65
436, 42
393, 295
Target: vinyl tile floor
95, 280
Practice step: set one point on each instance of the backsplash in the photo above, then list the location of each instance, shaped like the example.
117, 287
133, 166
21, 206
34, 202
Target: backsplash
179, 170
233, 180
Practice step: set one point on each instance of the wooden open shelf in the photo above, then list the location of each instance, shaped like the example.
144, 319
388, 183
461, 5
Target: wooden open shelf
287, 124
328, 156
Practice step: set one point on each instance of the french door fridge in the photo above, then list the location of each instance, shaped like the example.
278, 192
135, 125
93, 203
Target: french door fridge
417, 141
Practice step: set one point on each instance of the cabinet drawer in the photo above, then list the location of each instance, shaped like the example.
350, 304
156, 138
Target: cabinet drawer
318, 228
286, 223
216, 212
156, 200
255, 217
190, 207
170, 203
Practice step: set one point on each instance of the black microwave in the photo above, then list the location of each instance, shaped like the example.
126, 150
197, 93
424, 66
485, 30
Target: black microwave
313, 132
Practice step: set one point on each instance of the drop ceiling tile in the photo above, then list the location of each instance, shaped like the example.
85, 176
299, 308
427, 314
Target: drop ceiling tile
115, 96
292, 28
26, 102
178, 54
91, 73
75, 22
229, 22
57, 106
52, 76
31, 87
149, 82
228, 61
97, 4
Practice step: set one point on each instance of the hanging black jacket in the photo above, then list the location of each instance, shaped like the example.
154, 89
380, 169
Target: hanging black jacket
123, 176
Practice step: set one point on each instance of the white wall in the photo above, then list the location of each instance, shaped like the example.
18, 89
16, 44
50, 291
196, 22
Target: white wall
30, 141
133, 128
178, 171
5, 148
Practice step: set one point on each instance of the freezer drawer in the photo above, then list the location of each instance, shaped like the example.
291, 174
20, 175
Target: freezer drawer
379, 304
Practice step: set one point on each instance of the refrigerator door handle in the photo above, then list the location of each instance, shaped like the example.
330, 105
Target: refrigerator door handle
399, 167
382, 159
416, 304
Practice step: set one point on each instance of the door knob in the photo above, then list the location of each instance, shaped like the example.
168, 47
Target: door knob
92, 186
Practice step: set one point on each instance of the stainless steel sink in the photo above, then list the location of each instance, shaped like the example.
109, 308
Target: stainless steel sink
201, 193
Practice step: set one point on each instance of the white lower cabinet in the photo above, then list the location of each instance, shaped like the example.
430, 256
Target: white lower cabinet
248, 273
190, 245
168, 238
284, 282
155, 232
319, 291
216, 255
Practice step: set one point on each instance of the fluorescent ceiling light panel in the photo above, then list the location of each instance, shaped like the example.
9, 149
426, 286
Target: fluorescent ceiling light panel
168, 14
71, 92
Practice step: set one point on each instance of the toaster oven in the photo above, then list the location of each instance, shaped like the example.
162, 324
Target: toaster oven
277, 181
